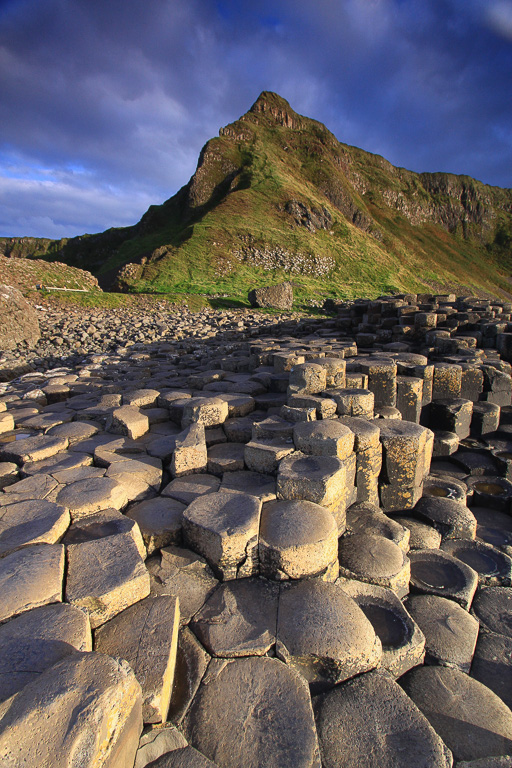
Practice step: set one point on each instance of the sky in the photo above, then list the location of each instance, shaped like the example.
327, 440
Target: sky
105, 104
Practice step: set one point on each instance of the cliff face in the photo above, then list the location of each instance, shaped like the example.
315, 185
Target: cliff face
277, 192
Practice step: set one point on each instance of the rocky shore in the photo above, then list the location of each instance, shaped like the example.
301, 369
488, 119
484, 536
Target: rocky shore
239, 540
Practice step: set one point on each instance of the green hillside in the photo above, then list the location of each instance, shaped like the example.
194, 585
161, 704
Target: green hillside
277, 196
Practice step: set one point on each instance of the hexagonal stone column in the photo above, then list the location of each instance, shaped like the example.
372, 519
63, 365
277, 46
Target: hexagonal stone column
493, 609
324, 438
308, 378
239, 619
370, 721
447, 381
452, 518
322, 633
160, 521
208, 411
381, 381
190, 452
146, 635
437, 573
494, 567
471, 720
320, 479
403, 642
409, 397
223, 527
450, 631
374, 559
274, 715
297, 539
354, 402
407, 451
31, 522
105, 576
368, 451
30, 577
451, 415
128, 420
87, 701
38, 639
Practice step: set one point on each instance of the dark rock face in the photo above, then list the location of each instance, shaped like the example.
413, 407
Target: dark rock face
273, 296
18, 321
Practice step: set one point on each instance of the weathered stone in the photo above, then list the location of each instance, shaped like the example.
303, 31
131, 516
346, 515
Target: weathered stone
471, 720
108, 522
381, 381
492, 664
31, 522
438, 573
450, 632
146, 635
422, 536
492, 607
226, 457
370, 721
264, 454
188, 487
18, 320
239, 619
297, 539
190, 455
38, 639
307, 378
323, 634
263, 692
320, 479
32, 449
254, 483
30, 577
157, 742
494, 568
160, 521
128, 420
278, 296
188, 757
88, 496
374, 559
324, 438
409, 397
223, 527
359, 403
451, 415
368, 518
87, 705
105, 576
182, 573
208, 411
453, 519
191, 663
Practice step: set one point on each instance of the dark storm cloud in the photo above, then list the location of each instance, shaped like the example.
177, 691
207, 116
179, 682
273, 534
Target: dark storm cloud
105, 105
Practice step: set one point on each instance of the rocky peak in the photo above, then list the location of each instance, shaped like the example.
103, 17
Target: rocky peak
276, 108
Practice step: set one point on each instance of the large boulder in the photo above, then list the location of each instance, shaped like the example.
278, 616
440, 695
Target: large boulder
18, 320
273, 296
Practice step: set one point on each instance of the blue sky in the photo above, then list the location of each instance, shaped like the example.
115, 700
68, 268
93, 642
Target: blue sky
105, 104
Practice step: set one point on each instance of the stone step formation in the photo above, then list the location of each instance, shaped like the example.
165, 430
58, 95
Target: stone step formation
286, 543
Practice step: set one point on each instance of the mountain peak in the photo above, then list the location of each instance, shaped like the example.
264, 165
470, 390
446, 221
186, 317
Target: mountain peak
277, 109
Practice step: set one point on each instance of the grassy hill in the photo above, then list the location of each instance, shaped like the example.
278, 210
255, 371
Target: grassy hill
276, 196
